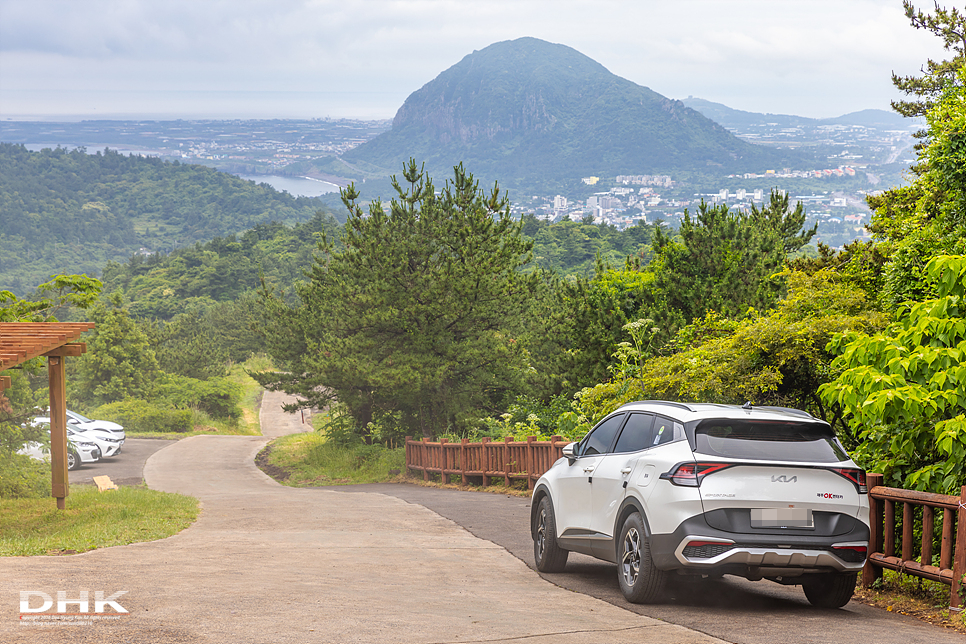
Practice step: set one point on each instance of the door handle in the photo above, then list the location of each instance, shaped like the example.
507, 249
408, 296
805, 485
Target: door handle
588, 469
626, 470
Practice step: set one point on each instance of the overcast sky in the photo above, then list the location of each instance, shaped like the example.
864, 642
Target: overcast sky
362, 58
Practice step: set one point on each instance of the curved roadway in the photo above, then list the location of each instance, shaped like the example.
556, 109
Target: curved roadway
268, 563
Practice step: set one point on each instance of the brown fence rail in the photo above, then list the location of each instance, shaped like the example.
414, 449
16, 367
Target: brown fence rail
508, 460
919, 512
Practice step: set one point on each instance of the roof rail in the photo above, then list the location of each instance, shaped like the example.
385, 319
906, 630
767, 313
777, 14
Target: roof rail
660, 402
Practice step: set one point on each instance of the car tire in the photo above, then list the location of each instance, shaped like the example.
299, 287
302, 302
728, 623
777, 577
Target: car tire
832, 590
640, 581
547, 553
73, 460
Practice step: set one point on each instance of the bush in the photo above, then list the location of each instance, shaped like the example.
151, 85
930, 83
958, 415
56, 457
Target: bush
218, 397
141, 416
22, 477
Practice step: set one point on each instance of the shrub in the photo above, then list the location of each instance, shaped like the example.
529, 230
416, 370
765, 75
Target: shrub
142, 416
22, 477
218, 397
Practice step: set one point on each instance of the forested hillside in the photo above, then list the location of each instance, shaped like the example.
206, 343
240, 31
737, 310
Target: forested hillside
71, 212
162, 285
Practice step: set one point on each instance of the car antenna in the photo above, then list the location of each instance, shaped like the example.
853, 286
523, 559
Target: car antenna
747, 405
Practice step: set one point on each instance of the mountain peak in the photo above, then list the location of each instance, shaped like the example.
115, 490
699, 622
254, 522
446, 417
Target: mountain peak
526, 109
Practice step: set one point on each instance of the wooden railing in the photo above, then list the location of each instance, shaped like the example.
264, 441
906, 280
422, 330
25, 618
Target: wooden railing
917, 558
508, 460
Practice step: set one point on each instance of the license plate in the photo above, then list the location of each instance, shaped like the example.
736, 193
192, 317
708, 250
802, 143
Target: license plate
781, 518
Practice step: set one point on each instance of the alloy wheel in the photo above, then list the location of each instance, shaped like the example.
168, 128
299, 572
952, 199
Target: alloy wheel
631, 557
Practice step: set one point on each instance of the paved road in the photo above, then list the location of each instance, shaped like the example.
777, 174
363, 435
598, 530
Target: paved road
127, 468
735, 610
267, 563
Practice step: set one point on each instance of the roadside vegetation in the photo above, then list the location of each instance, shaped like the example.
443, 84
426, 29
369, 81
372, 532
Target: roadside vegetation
913, 596
34, 525
315, 458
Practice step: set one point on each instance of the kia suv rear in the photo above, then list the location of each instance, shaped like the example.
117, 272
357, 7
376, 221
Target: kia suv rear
662, 488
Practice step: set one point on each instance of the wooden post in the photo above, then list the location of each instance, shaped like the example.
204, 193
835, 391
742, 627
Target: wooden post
486, 460
870, 572
958, 590
889, 529
443, 476
463, 460
947, 544
928, 527
424, 460
409, 461
59, 486
530, 464
908, 520
506, 460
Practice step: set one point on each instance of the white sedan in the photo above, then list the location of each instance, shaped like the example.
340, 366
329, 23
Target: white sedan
82, 423
107, 442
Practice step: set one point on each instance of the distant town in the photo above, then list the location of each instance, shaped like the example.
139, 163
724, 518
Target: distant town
861, 159
650, 199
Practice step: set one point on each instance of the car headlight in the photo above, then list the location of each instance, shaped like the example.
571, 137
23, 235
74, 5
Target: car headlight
85, 444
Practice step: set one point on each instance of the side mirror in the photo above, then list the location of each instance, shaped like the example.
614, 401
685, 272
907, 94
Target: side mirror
568, 452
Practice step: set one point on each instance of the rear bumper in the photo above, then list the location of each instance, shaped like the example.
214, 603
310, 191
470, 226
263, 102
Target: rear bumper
763, 554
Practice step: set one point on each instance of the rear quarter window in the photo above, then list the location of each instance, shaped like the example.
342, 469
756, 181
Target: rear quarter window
769, 440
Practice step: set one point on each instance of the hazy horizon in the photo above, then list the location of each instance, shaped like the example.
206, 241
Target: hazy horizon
302, 59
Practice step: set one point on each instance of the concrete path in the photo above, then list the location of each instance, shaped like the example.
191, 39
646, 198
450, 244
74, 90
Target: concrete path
267, 563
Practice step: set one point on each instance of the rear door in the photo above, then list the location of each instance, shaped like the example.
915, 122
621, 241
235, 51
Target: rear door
615, 469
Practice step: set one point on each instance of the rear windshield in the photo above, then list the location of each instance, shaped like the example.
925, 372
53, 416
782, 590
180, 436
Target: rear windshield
768, 440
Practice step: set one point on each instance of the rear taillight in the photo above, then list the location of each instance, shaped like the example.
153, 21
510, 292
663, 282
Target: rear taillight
691, 474
855, 475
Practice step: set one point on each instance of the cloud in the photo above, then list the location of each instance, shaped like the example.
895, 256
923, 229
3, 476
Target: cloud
793, 54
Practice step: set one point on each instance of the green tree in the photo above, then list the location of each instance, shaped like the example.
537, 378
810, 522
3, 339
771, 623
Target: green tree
60, 293
726, 260
415, 322
927, 218
950, 26
777, 357
904, 389
120, 362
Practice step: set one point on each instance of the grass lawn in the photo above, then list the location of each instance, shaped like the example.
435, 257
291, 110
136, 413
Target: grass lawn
92, 520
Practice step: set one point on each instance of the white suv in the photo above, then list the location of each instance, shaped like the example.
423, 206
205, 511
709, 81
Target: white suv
663, 488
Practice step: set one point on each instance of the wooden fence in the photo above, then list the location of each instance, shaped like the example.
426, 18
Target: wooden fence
511, 460
919, 511
508, 460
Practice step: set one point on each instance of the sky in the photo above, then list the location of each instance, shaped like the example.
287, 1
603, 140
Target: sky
224, 59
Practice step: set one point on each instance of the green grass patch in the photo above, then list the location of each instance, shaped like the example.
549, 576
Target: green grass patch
92, 520
309, 459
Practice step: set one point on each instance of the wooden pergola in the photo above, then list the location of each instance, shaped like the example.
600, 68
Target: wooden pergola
22, 341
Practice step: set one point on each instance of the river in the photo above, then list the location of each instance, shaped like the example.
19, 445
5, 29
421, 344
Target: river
295, 186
